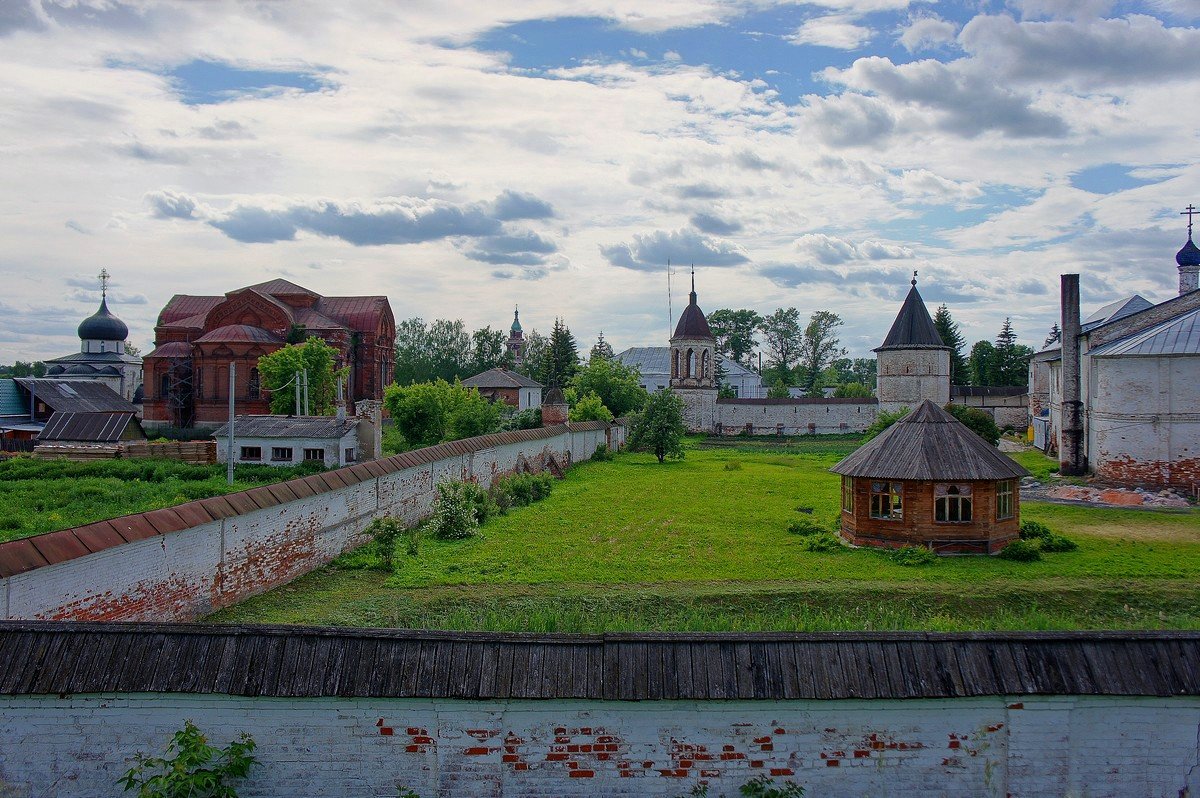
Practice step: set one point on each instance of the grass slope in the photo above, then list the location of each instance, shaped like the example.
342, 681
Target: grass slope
702, 544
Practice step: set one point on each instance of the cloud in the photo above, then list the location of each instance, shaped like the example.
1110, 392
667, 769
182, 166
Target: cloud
71, 224
969, 101
651, 251
252, 225
524, 248
699, 191
927, 32
708, 223
838, 31
832, 250
145, 152
512, 205
1106, 52
225, 130
169, 205
922, 185
851, 120
20, 15
671, 55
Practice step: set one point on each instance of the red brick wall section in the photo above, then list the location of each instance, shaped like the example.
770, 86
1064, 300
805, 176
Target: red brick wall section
184, 562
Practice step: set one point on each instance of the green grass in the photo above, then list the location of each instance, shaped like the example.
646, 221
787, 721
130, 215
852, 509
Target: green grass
691, 545
39, 496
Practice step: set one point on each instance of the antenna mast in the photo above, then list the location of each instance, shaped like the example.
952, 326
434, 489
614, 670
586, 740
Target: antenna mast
670, 312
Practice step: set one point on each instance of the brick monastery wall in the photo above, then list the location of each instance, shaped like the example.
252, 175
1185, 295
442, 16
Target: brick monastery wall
794, 416
988, 746
187, 561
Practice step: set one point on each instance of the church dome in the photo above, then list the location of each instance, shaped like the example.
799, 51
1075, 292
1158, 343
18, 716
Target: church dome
1189, 255
692, 323
103, 326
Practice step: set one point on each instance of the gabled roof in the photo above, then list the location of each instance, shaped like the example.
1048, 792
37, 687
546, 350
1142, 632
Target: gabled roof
288, 427
89, 427
183, 308
928, 444
281, 287
92, 358
12, 403
172, 349
71, 396
1117, 310
500, 378
239, 333
913, 327
1177, 336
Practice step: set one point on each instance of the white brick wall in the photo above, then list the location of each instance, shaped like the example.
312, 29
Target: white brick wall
996, 746
826, 417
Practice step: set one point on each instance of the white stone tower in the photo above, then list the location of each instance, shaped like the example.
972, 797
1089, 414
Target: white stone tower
913, 361
694, 367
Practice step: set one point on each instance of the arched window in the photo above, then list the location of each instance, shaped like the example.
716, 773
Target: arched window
674, 364
704, 366
691, 363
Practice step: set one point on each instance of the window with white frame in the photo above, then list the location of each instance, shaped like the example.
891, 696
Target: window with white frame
887, 500
952, 504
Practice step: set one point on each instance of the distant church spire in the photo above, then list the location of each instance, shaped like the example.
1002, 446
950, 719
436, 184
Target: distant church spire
692, 295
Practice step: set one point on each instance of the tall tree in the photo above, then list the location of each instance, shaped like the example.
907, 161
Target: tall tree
487, 349
615, 383
428, 413
533, 353
951, 333
413, 360
449, 349
562, 357
819, 346
983, 364
281, 367
864, 371
734, 331
659, 428
1054, 337
1012, 359
601, 350
782, 335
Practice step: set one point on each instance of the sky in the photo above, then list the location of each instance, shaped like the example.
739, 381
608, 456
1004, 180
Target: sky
465, 157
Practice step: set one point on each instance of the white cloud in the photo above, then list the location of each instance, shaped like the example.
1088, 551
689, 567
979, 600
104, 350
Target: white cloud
838, 31
926, 32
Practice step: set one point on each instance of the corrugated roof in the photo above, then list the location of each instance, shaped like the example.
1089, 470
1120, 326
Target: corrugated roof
173, 349
1117, 310
1177, 336
928, 444
96, 357
282, 287
500, 378
239, 333
12, 401
63, 658
913, 327
88, 427
288, 427
183, 307
71, 396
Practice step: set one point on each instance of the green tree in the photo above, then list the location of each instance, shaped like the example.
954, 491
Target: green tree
951, 333
533, 354
864, 370
450, 349
852, 390
615, 383
429, 413
1054, 337
192, 768
487, 349
601, 350
280, 367
778, 390
819, 346
659, 428
782, 335
978, 421
1012, 359
23, 368
414, 362
561, 359
982, 364
590, 407
882, 421
734, 331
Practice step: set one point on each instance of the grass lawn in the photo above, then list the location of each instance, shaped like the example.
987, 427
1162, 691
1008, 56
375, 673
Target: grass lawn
39, 496
702, 543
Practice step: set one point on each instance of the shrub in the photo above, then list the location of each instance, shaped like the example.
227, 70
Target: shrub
978, 421
1020, 551
1052, 542
913, 556
822, 542
590, 407
764, 787
1032, 529
519, 490
192, 768
882, 422
733, 465
525, 419
602, 454
454, 515
806, 527
384, 533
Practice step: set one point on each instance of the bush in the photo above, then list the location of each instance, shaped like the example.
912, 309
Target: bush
882, 422
384, 533
1052, 542
1020, 551
764, 787
590, 407
806, 527
602, 454
913, 556
978, 421
525, 419
822, 542
454, 516
1032, 529
192, 768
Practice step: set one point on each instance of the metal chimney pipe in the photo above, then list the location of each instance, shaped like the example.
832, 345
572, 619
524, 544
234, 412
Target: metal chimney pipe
1072, 461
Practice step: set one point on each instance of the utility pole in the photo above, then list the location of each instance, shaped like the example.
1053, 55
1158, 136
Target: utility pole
229, 450
306, 392
297, 378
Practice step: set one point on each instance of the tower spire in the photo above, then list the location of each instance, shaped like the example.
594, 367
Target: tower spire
914, 279
692, 295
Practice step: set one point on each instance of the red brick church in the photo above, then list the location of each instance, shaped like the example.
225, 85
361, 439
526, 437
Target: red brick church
196, 338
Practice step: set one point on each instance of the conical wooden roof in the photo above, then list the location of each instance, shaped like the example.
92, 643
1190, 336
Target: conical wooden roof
913, 327
929, 444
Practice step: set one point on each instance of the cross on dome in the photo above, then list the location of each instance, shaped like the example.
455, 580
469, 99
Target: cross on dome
1189, 211
104, 278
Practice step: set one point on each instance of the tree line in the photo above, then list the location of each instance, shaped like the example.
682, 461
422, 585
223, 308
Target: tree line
1002, 363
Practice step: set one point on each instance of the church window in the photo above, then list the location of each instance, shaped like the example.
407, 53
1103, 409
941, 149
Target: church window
952, 504
848, 495
164, 386
253, 389
1004, 500
887, 500
691, 364
200, 383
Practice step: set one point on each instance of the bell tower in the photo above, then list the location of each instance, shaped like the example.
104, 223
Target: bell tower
693, 366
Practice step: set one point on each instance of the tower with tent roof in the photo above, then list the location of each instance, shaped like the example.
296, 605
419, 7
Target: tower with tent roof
913, 360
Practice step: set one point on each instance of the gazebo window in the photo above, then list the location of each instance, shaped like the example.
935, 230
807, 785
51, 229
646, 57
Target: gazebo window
1004, 500
848, 495
952, 503
887, 500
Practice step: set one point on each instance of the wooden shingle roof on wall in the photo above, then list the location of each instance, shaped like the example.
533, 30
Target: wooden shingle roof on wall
46, 658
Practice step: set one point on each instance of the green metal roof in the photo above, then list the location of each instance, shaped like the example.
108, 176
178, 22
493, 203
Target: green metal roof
11, 401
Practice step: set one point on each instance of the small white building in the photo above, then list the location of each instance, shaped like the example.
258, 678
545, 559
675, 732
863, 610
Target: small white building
291, 440
510, 387
654, 365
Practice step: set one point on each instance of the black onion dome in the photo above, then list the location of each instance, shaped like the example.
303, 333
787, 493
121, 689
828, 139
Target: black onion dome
103, 326
1189, 255
692, 324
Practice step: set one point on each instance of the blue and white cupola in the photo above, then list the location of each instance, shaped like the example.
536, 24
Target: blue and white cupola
102, 331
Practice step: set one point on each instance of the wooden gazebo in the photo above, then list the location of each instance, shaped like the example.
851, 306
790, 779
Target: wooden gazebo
928, 480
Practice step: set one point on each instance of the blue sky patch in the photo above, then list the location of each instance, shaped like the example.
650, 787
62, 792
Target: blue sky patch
208, 82
1108, 178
